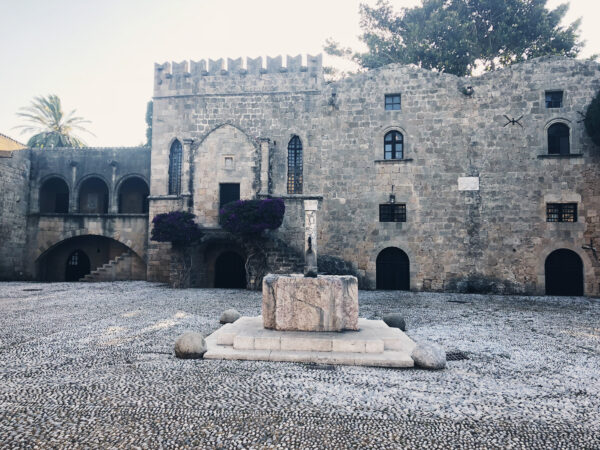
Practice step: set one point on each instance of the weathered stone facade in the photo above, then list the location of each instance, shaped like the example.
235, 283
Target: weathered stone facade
475, 184
475, 174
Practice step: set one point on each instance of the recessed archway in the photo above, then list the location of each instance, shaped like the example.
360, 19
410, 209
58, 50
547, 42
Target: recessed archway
133, 196
393, 270
54, 196
564, 273
71, 259
230, 271
93, 196
78, 266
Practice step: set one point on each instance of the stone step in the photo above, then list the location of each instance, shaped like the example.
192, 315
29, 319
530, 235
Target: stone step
374, 344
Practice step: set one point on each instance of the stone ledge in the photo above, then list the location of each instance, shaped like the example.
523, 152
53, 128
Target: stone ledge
391, 161
374, 344
551, 156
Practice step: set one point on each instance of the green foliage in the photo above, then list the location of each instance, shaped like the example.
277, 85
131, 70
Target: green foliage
592, 120
456, 36
51, 126
149, 112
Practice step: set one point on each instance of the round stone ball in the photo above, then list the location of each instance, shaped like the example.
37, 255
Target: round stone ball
428, 355
395, 320
230, 316
190, 346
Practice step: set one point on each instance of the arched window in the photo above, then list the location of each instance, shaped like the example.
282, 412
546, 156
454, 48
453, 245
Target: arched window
294, 181
93, 196
393, 145
133, 196
558, 139
54, 196
175, 157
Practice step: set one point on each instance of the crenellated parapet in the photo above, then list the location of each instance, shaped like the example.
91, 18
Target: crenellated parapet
231, 76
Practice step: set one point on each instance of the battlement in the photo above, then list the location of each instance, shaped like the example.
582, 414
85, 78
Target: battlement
237, 75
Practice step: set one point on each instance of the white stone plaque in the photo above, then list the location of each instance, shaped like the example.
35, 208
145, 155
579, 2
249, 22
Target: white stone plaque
468, 183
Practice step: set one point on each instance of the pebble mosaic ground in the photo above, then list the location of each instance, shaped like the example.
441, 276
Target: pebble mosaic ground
92, 365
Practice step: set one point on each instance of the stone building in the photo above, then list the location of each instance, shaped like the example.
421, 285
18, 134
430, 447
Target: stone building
424, 181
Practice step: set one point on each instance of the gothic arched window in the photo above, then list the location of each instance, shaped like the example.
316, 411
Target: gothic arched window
558, 139
393, 144
175, 157
294, 180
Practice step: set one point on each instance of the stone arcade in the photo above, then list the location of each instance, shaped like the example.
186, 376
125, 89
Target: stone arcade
424, 181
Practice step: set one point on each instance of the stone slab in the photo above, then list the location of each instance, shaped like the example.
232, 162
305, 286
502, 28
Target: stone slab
296, 303
374, 344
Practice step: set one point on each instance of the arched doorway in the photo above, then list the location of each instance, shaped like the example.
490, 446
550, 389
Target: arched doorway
78, 266
230, 271
564, 273
393, 270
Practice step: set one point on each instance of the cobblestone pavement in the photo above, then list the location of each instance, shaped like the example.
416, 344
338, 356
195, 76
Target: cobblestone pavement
92, 365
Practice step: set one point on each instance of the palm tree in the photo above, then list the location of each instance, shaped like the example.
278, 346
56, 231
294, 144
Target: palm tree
51, 126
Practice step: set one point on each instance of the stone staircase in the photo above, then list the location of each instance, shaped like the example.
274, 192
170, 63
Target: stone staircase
123, 267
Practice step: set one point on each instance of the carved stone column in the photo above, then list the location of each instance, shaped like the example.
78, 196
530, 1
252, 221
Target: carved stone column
264, 166
186, 172
310, 236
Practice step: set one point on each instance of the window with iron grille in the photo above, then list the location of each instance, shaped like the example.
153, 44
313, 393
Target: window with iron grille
392, 212
554, 99
558, 139
175, 157
561, 212
392, 102
393, 145
294, 180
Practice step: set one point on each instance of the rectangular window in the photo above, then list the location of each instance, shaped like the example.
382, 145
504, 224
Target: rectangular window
554, 99
392, 102
561, 212
392, 212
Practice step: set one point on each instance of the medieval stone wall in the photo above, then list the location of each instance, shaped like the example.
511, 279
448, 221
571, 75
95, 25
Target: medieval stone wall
493, 238
14, 202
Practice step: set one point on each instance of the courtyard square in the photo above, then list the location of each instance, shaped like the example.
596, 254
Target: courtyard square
92, 365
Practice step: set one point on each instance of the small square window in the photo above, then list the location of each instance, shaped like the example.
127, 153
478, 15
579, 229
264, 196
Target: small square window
229, 162
554, 99
392, 102
561, 212
392, 212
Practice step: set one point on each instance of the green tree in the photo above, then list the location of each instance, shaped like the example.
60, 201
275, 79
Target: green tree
457, 36
149, 112
592, 120
52, 127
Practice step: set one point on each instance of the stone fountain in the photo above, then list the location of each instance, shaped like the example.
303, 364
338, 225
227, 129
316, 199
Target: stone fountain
313, 319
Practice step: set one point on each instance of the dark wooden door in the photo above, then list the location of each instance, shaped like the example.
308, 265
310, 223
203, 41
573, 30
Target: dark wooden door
78, 266
228, 192
564, 273
230, 271
393, 270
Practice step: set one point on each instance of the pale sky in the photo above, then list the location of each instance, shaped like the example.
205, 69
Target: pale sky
98, 56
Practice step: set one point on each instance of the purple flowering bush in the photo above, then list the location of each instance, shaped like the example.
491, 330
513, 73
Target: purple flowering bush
177, 227
252, 216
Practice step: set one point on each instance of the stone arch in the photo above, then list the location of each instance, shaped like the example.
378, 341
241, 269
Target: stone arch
381, 134
200, 141
563, 269
85, 179
53, 195
212, 251
372, 264
118, 200
558, 121
226, 155
62, 261
393, 269
136, 248
544, 252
